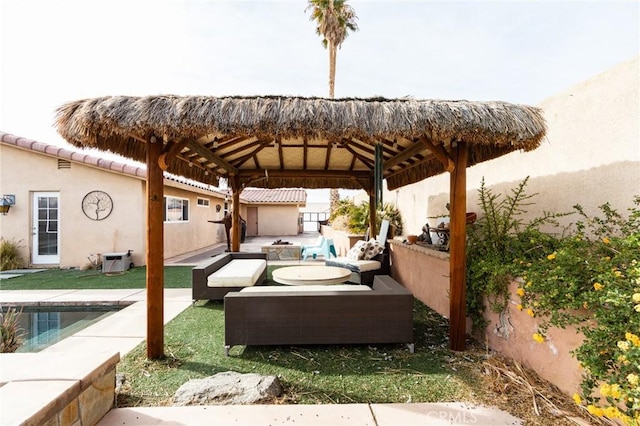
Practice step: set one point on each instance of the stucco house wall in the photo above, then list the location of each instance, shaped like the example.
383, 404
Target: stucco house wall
591, 156
24, 171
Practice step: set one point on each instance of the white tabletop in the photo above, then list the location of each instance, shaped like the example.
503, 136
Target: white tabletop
309, 275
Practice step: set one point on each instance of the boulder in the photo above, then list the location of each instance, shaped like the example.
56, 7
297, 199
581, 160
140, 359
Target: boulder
228, 387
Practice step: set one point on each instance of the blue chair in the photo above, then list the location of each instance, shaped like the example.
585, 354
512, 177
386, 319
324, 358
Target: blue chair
326, 249
316, 244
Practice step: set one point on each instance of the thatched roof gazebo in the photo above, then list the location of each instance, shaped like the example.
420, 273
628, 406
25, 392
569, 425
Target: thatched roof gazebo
285, 142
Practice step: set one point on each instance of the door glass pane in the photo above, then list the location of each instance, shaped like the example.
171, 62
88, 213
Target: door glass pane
47, 226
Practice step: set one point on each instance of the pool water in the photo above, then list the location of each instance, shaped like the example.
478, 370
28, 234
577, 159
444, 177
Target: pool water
45, 326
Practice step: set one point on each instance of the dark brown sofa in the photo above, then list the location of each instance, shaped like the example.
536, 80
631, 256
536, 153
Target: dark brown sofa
199, 287
382, 315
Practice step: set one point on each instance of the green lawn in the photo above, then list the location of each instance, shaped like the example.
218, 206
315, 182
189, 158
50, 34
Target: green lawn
74, 279
194, 348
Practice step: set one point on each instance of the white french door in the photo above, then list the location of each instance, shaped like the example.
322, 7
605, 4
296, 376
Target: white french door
45, 226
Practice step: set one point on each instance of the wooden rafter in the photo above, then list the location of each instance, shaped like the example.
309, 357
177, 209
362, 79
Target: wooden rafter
207, 154
404, 155
280, 153
240, 161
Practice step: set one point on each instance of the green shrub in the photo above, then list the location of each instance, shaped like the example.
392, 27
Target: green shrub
11, 336
357, 216
10, 257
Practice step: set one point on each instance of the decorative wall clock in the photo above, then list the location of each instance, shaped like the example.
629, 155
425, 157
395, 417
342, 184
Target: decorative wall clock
97, 205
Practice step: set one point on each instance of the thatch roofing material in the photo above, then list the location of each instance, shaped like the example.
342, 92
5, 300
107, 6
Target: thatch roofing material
301, 142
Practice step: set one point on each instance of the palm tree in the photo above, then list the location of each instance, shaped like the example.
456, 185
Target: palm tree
334, 19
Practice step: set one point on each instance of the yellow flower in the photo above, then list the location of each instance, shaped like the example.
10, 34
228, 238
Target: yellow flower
598, 286
611, 412
606, 240
632, 338
520, 291
605, 390
615, 391
538, 337
637, 307
636, 297
617, 273
624, 346
519, 307
552, 256
530, 313
577, 399
585, 305
596, 411
633, 379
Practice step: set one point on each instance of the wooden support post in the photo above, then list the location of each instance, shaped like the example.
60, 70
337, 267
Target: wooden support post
457, 249
236, 189
155, 251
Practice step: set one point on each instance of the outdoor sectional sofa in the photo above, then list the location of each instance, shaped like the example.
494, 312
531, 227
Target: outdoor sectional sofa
227, 272
320, 315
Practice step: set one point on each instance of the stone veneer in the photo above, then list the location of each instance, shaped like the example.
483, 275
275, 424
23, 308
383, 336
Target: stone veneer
56, 389
282, 251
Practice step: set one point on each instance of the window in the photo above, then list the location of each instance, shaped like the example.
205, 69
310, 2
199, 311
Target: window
176, 209
203, 202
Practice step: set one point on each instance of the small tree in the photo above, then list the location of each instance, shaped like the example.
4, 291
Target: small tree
11, 335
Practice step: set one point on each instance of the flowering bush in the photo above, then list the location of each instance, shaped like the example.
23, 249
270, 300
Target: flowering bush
592, 279
499, 238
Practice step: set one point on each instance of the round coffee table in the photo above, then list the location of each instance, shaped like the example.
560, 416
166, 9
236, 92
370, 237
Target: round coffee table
310, 275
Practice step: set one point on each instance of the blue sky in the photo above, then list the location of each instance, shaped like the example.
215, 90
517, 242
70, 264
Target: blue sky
516, 51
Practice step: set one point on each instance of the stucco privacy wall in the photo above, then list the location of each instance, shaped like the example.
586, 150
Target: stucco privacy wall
277, 220
24, 171
591, 155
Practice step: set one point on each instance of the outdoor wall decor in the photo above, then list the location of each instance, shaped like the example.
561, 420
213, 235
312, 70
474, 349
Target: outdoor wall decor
97, 205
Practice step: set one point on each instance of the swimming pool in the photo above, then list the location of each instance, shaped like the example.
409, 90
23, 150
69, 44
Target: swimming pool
46, 325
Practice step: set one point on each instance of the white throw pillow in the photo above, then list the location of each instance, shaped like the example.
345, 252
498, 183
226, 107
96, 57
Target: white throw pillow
357, 251
372, 249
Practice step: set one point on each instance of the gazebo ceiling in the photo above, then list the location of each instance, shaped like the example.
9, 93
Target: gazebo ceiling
285, 142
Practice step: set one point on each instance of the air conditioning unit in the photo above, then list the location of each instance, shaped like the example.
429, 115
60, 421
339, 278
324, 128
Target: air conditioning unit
116, 262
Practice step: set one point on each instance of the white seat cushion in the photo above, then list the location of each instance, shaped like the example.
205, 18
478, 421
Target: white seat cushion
237, 273
363, 265
305, 288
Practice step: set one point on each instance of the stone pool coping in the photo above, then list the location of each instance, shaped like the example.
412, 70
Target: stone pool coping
73, 381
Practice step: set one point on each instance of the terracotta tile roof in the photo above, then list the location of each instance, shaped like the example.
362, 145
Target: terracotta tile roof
274, 196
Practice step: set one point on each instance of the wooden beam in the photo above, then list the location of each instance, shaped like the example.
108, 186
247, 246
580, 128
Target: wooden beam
214, 158
404, 155
170, 152
457, 249
277, 173
440, 153
155, 251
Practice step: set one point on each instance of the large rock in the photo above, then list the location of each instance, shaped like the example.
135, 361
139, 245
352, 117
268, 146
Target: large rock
228, 388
